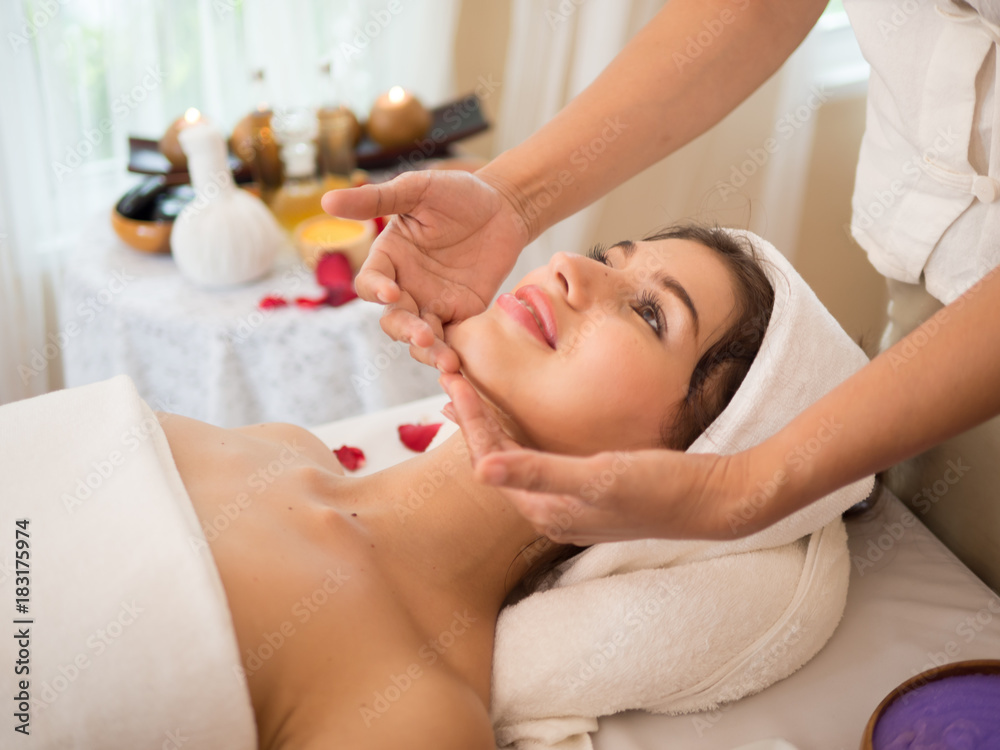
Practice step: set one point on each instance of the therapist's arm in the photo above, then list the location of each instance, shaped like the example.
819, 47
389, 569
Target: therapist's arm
940, 380
691, 65
455, 236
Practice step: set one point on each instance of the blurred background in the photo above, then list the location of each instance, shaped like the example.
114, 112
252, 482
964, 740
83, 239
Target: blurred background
79, 77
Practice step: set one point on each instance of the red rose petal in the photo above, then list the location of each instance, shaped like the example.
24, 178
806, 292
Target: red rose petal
350, 457
333, 270
272, 300
310, 302
380, 222
417, 437
338, 297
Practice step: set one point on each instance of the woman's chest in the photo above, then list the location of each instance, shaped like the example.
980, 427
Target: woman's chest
319, 625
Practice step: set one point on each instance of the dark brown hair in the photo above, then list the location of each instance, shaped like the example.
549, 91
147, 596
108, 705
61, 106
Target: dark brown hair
716, 377
722, 368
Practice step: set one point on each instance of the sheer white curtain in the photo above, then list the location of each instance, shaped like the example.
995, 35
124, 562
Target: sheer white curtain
556, 48
78, 77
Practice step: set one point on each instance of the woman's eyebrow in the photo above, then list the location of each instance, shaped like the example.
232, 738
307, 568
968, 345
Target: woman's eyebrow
627, 246
669, 283
672, 285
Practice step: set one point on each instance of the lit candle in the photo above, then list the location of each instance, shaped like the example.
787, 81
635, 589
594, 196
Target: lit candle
397, 118
170, 147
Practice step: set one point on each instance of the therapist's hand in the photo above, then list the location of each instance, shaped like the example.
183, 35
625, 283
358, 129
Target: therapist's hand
607, 497
452, 240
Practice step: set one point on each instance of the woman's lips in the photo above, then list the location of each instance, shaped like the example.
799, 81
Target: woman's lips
530, 307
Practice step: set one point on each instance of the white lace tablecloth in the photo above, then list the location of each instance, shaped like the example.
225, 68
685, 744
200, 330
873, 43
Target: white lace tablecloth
213, 354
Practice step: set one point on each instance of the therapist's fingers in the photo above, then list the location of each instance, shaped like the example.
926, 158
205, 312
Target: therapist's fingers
620, 495
543, 472
563, 518
401, 322
399, 195
438, 355
375, 281
574, 500
483, 434
441, 355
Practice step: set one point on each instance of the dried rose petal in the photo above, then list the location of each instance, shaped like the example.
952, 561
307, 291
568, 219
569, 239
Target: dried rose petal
350, 457
417, 437
310, 302
272, 300
333, 270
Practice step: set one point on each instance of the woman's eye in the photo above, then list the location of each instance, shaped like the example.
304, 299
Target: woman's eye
598, 253
649, 310
649, 315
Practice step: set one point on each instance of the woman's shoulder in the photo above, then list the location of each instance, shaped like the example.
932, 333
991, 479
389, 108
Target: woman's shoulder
295, 438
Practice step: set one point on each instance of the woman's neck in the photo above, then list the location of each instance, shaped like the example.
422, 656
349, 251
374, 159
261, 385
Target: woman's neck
448, 531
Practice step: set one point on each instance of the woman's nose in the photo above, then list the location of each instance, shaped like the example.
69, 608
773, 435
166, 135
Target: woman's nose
578, 278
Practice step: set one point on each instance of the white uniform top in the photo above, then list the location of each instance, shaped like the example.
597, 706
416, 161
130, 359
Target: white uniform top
927, 190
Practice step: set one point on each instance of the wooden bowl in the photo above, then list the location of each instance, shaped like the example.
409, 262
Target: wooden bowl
973, 666
147, 236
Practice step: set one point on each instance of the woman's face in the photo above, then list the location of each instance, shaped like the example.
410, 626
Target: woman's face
592, 354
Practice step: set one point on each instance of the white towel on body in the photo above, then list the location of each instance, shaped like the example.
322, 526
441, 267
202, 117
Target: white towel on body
676, 626
126, 636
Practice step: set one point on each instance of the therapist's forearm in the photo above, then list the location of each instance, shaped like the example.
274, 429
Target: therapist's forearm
684, 71
940, 380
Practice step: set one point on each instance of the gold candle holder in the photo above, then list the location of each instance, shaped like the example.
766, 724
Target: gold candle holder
169, 144
397, 118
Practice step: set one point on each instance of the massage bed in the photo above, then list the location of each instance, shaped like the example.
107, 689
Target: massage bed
911, 605
122, 582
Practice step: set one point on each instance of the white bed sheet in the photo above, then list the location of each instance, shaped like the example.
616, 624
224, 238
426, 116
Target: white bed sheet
911, 604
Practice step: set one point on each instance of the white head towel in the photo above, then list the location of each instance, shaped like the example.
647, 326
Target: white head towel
672, 626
